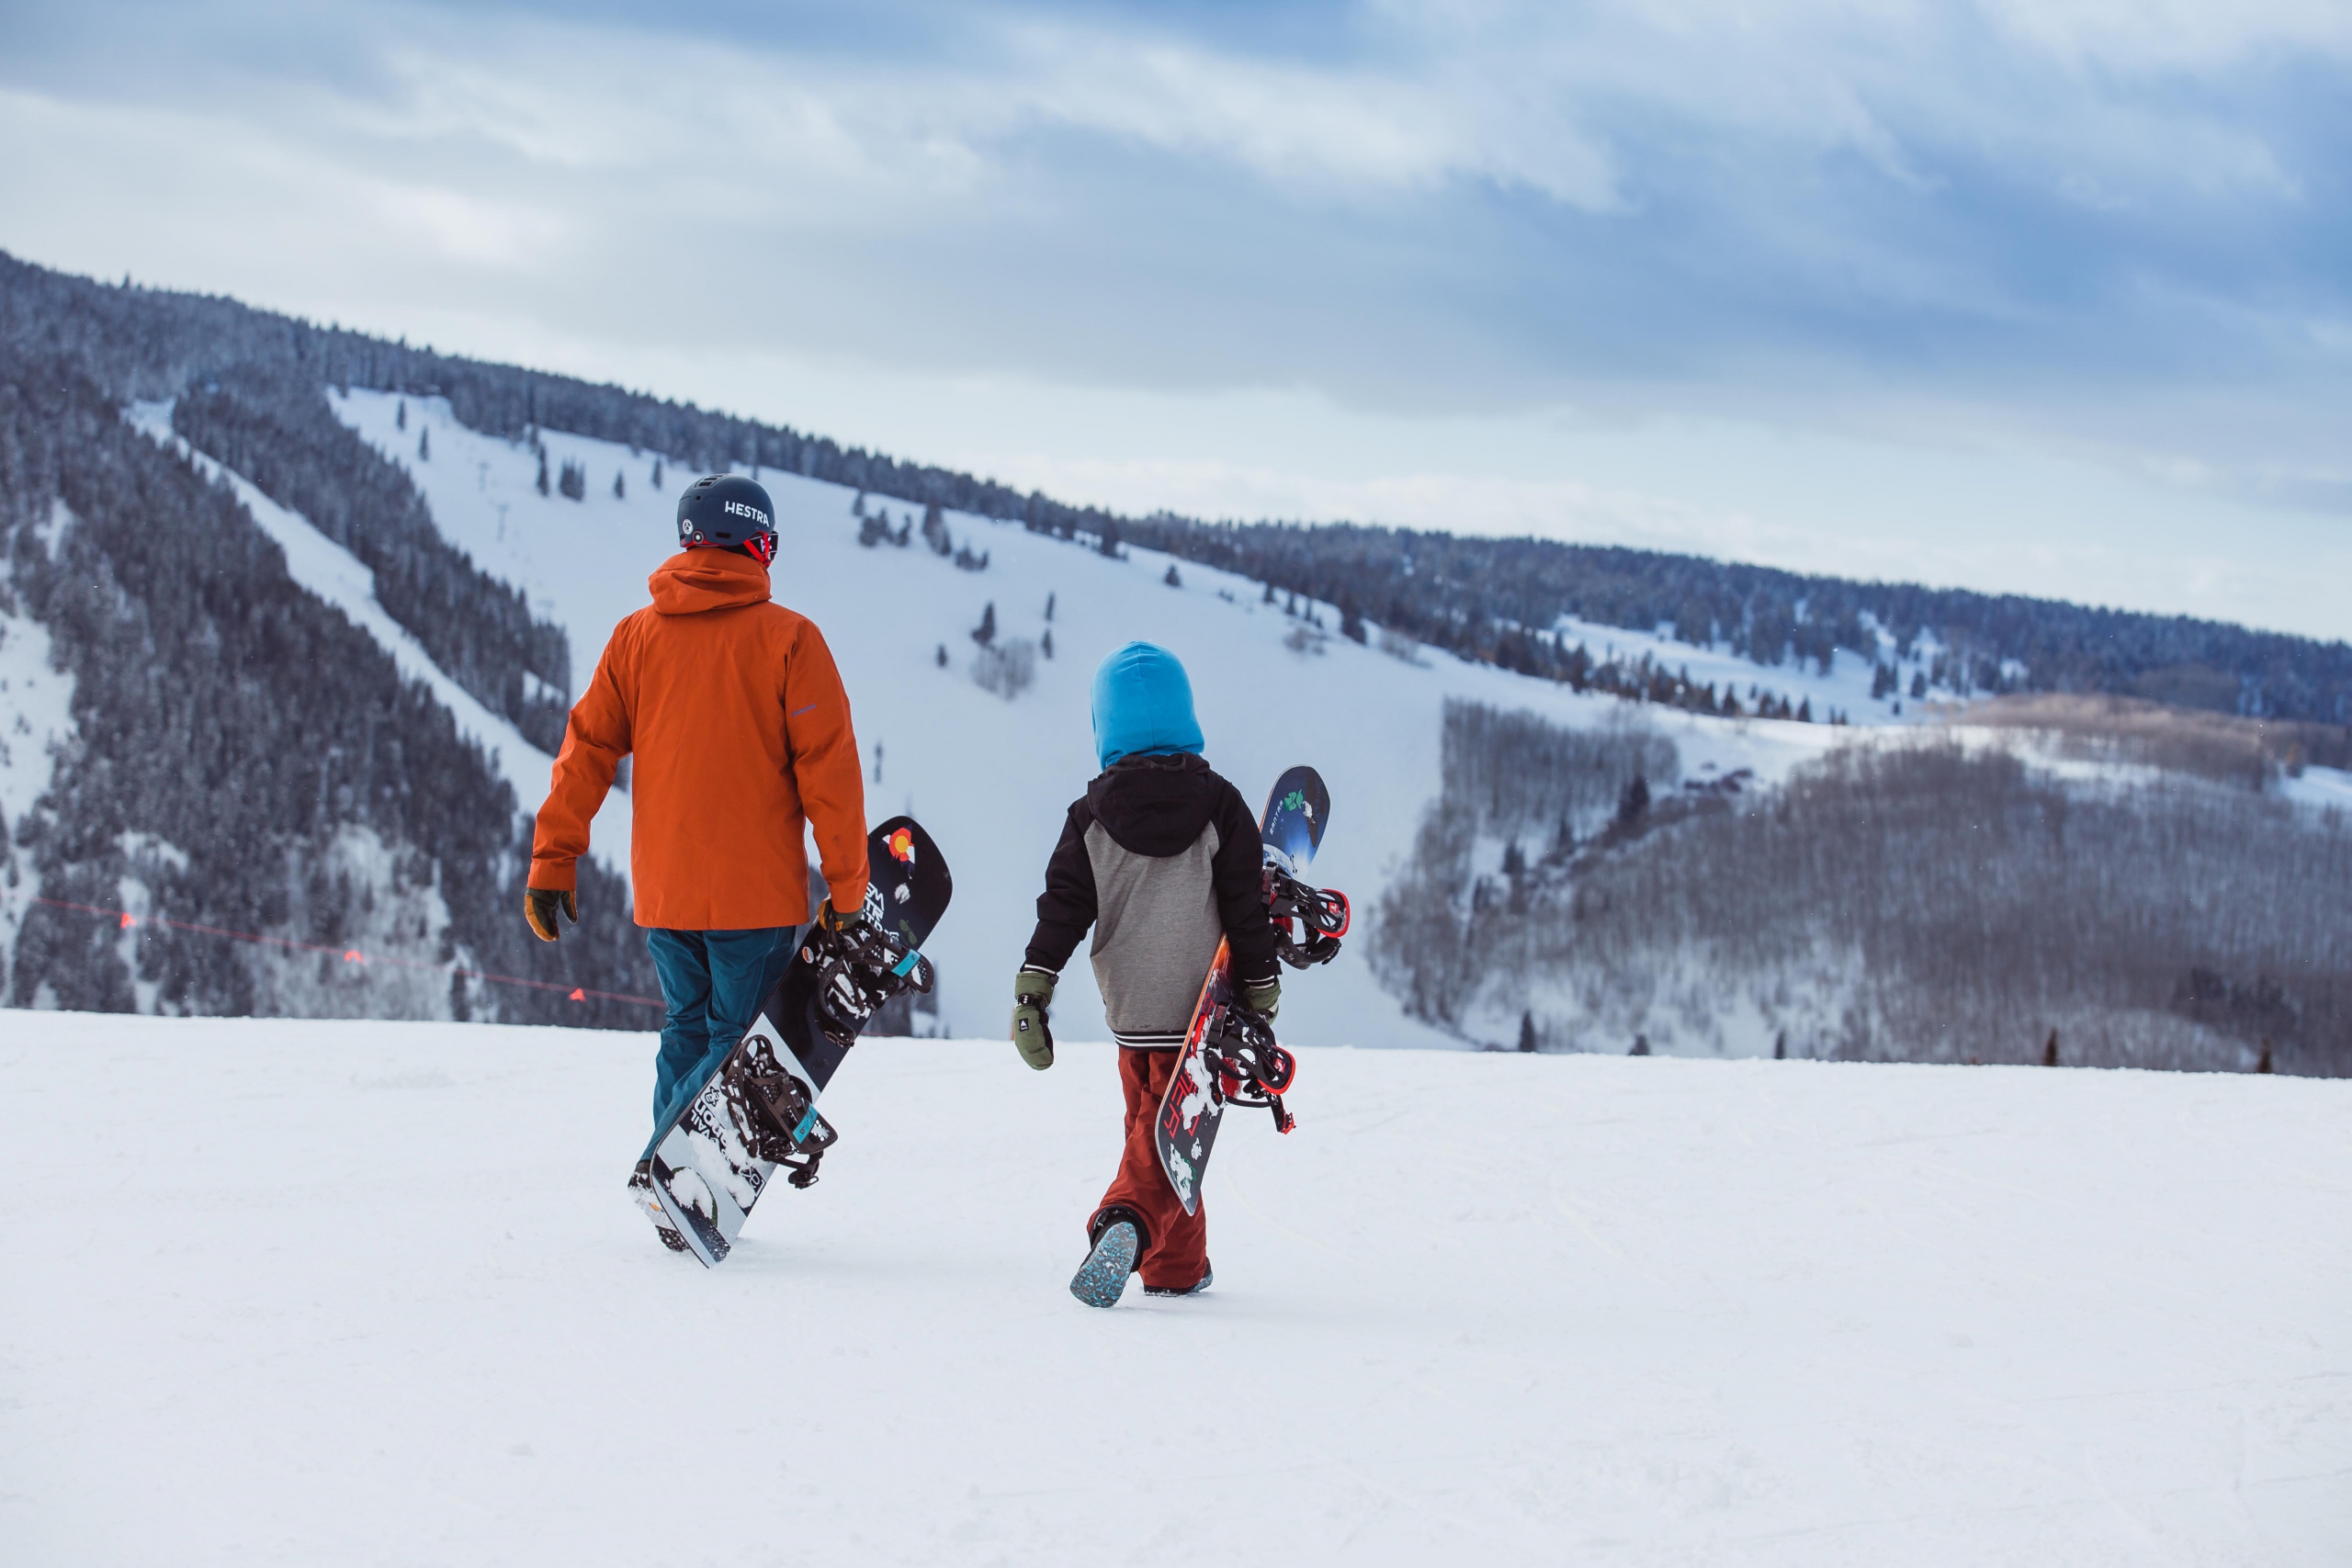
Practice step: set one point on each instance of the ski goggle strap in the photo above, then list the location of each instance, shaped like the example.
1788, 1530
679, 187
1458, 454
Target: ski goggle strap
761, 547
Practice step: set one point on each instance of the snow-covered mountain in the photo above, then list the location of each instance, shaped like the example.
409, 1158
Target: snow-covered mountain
991, 775
289, 618
286, 1292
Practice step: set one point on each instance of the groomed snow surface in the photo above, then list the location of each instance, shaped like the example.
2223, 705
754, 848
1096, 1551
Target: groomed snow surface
302, 1292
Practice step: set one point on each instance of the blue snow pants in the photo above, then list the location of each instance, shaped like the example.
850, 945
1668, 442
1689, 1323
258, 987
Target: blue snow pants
712, 985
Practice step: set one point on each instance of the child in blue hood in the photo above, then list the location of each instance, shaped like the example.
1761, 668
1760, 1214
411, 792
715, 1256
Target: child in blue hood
1161, 858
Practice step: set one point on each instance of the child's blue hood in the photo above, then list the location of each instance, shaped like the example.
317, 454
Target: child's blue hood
1143, 705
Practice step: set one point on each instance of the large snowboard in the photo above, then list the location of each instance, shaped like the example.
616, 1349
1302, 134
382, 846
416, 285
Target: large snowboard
713, 1163
1194, 1103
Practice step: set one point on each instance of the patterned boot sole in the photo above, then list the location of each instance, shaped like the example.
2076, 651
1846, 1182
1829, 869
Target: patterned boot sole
1103, 1278
640, 1192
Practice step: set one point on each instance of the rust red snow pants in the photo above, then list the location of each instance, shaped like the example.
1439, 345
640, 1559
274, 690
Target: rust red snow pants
1176, 1252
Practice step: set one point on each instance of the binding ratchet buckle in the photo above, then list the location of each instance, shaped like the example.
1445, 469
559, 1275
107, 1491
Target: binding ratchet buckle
786, 1131
1245, 1065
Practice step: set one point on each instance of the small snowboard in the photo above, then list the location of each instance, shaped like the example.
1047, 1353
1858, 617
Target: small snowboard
758, 1111
1231, 1056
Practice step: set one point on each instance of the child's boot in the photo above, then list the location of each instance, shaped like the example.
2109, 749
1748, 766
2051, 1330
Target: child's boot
1208, 1278
1117, 1235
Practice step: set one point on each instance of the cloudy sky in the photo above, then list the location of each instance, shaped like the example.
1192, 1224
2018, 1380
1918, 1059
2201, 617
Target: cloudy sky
2053, 296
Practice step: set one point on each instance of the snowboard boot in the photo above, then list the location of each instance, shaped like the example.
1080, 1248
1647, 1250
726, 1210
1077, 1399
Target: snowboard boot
1117, 1235
640, 1192
1208, 1278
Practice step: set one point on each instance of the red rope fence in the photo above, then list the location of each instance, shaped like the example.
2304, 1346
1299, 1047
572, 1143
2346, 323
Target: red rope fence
126, 920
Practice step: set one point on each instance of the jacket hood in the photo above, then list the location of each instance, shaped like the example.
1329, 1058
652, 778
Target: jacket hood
1143, 703
1154, 805
694, 581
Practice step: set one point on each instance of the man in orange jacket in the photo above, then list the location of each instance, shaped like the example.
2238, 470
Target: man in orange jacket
736, 716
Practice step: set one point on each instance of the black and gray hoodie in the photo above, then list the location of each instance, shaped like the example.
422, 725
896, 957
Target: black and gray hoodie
1161, 858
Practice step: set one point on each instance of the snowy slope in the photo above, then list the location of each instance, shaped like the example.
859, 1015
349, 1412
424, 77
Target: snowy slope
36, 721
342, 579
281, 1292
991, 779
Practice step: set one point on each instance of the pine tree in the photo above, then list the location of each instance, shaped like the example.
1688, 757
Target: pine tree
2049, 1050
1918, 684
657, 476
620, 486
1634, 802
1351, 624
423, 446
1045, 643
1269, 594
857, 504
1049, 607
1527, 1033
1640, 1046
543, 471
943, 655
985, 633
400, 415
1172, 579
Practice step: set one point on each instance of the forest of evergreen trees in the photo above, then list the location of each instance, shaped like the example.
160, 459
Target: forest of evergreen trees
1902, 900
234, 734
1480, 598
276, 429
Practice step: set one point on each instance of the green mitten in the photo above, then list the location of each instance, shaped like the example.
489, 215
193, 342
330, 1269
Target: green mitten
1263, 997
1032, 991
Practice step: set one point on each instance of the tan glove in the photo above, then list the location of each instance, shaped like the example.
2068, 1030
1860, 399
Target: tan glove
539, 905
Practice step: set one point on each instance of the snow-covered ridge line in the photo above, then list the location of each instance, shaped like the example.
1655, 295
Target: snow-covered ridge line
332, 574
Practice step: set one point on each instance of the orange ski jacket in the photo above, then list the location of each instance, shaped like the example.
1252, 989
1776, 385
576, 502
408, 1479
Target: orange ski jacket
736, 717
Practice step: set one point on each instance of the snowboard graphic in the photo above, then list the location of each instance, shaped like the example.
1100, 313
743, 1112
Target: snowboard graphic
1231, 1056
758, 1111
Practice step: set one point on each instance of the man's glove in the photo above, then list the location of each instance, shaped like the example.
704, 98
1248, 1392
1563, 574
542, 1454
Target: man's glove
1033, 989
835, 921
539, 905
1263, 997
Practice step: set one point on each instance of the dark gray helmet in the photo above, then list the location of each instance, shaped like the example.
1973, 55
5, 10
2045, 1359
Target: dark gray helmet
727, 510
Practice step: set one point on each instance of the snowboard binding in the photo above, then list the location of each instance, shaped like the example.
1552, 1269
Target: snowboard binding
1247, 1066
1322, 913
784, 1127
859, 968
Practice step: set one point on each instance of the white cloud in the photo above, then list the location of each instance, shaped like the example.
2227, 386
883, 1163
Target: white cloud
1821, 216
